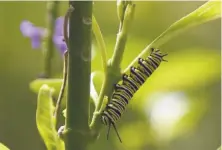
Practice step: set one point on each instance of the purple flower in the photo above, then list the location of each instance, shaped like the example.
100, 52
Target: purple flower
37, 33
58, 37
60, 43
33, 32
59, 26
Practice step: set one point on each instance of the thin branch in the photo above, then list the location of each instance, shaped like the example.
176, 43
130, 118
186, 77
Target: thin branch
63, 86
52, 8
122, 36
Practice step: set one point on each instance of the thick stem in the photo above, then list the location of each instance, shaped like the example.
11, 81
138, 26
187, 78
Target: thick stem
52, 10
113, 74
79, 68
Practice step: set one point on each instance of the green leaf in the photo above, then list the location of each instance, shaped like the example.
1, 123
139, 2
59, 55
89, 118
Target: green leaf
3, 147
209, 11
96, 83
54, 83
44, 119
93, 92
98, 80
100, 41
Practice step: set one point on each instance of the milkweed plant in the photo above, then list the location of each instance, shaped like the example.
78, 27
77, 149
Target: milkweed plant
70, 96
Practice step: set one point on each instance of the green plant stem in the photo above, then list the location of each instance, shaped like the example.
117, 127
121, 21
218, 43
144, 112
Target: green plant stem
52, 11
106, 90
119, 50
113, 74
79, 68
122, 37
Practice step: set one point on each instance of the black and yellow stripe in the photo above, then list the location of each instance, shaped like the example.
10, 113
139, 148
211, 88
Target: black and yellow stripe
130, 84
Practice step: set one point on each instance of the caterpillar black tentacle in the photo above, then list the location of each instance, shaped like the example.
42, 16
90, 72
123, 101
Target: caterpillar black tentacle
131, 82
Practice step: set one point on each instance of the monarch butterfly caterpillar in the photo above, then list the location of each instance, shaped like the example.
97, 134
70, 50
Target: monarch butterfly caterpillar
130, 84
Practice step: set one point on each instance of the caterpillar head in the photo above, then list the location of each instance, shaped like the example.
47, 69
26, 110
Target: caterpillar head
105, 120
156, 53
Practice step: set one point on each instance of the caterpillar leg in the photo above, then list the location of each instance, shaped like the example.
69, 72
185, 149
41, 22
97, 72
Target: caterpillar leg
108, 131
114, 126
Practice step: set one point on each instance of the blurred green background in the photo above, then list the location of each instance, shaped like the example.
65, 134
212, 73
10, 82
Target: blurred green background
178, 107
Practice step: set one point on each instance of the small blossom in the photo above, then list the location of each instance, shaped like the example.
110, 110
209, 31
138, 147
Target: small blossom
36, 34
33, 32
58, 37
59, 26
60, 43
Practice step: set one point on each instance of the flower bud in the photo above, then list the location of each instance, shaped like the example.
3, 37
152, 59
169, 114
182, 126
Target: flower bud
128, 17
121, 8
129, 12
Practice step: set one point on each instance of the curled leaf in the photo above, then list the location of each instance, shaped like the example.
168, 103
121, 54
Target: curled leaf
211, 10
100, 41
54, 83
45, 120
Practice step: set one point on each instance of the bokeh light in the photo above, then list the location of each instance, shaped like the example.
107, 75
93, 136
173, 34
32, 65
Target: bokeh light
164, 110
